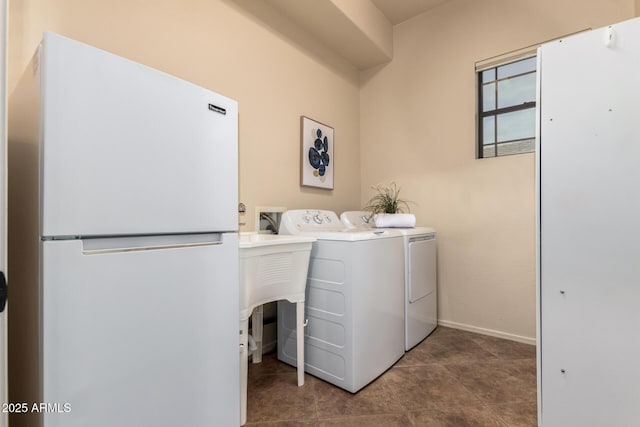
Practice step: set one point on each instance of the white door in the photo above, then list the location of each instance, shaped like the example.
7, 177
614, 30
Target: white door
141, 331
3, 208
589, 239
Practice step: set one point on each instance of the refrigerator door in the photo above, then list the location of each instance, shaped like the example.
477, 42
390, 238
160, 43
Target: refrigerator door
141, 332
131, 150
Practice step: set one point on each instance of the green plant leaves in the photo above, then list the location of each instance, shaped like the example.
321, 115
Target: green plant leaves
387, 201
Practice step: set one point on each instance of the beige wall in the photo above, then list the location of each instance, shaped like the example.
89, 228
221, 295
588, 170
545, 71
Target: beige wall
275, 76
417, 127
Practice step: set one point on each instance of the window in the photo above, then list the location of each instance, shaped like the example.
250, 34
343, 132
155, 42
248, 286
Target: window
507, 109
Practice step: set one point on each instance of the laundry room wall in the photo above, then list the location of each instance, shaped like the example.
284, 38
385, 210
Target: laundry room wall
275, 75
411, 120
417, 127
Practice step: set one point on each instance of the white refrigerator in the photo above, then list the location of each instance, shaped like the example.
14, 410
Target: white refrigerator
589, 238
123, 245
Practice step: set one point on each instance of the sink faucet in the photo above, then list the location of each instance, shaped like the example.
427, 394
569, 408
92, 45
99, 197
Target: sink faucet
273, 227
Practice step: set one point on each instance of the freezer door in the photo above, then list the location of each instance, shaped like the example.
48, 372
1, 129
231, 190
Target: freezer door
141, 333
130, 150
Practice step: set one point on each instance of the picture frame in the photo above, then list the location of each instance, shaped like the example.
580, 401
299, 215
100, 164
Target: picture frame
317, 159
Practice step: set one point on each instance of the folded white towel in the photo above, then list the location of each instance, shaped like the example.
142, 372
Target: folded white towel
395, 220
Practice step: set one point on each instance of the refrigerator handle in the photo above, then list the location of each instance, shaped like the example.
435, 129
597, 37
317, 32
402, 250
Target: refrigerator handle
147, 248
97, 246
3, 291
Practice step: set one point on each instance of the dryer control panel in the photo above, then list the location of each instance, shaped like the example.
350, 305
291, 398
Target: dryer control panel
358, 219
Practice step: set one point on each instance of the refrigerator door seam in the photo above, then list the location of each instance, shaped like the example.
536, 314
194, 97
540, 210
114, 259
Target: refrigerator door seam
147, 248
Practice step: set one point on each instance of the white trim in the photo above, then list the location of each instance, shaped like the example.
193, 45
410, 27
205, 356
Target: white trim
538, 253
484, 331
506, 59
4, 36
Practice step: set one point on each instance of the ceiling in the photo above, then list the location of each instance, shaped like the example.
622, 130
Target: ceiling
398, 11
359, 31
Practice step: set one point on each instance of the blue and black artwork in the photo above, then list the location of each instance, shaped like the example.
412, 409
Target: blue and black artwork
319, 154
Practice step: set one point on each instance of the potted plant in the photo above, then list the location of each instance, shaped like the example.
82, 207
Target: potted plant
387, 209
386, 200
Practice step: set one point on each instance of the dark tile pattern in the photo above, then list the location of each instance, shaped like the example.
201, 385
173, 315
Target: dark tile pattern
452, 379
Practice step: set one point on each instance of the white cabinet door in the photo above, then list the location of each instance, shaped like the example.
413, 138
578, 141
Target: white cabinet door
141, 332
590, 244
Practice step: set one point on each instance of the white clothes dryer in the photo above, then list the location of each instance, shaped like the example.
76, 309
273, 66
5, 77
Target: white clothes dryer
354, 301
421, 298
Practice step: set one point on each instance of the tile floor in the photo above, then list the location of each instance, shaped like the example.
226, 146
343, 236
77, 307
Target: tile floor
453, 378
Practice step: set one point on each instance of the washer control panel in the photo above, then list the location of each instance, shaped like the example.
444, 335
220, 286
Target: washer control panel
310, 220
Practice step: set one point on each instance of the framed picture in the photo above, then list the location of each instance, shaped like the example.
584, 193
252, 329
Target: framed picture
316, 163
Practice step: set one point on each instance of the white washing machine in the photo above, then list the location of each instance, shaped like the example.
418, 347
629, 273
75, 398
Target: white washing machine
354, 301
421, 298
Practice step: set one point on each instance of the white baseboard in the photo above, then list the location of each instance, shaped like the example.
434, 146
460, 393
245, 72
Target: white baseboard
490, 332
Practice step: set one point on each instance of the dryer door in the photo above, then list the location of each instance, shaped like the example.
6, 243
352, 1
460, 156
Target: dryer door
422, 267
